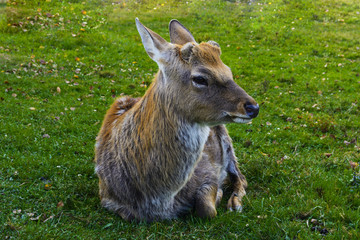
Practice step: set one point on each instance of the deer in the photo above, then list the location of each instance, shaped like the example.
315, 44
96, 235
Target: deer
169, 153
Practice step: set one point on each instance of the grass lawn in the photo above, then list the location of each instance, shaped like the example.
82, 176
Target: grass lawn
63, 62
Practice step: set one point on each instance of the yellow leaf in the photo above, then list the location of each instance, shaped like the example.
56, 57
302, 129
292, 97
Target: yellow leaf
264, 154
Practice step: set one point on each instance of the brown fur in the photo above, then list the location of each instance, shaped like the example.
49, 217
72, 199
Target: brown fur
166, 153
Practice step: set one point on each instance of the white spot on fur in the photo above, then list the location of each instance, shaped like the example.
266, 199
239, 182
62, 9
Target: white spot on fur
194, 135
120, 112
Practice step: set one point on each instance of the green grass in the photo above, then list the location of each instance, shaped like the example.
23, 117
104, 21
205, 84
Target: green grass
63, 62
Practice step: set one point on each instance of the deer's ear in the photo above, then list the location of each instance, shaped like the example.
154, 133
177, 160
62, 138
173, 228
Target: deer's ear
179, 34
153, 43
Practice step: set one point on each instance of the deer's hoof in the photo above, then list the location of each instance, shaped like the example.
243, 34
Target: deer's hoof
234, 203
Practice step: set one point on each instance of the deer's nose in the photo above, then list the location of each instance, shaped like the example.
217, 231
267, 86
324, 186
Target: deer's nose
251, 109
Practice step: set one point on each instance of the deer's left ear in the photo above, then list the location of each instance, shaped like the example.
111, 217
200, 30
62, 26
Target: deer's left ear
154, 44
179, 34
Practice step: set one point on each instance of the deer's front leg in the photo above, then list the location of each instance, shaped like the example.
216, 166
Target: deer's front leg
206, 201
239, 184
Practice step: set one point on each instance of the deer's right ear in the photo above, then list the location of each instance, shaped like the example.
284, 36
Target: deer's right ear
153, 43
179, 34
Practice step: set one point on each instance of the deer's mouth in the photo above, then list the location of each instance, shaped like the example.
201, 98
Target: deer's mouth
239, 118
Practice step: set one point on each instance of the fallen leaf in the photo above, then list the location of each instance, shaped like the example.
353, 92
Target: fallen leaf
353, 165
17, 211
35, 218
60, 204
314, 221
51, 217
327, 154
264, 154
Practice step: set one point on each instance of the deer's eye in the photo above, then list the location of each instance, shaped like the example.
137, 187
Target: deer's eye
200, 81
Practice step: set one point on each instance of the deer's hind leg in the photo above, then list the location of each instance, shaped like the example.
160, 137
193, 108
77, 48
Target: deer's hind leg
201, 193
208, 171
231, 171
239, 184
205, 203
109, 202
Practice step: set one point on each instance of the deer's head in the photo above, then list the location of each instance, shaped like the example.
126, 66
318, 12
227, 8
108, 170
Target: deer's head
194, 80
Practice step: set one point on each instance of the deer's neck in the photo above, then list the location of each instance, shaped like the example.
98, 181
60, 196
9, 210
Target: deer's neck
169, 145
